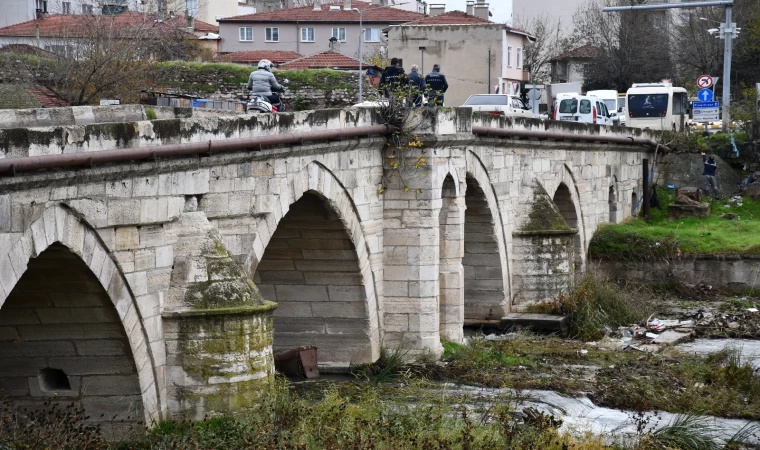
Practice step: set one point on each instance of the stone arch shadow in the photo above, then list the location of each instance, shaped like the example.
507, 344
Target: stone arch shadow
60, 229
477, 177
316, 182
568, 180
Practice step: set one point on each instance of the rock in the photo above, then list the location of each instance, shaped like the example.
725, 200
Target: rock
688, 196
733, 325
753, 191
729, 216
672, 337
678, 211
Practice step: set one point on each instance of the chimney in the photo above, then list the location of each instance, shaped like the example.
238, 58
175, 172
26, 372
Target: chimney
347, 5
437, 9
470, 8
317, 5
481, 10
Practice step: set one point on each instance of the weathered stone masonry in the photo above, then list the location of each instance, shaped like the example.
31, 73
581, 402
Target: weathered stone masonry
186, 256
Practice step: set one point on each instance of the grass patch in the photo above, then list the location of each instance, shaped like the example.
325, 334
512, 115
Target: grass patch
595, 304
720, 385
640, 240
526, 362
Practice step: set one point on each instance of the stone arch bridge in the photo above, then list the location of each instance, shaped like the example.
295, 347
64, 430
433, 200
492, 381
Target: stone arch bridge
149, 269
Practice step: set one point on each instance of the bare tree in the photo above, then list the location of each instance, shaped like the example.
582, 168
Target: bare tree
631, 46
94, 56
548, 43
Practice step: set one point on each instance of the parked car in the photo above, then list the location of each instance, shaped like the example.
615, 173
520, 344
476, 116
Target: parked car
582, 108
610, 99
500, 104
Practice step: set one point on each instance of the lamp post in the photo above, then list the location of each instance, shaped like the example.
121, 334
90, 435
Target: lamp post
361, 47
728, 33
361, 55
422, 65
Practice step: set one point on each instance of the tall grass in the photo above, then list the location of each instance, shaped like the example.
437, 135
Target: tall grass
595, 304
685, 432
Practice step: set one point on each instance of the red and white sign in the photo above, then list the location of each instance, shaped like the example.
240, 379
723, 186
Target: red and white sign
705, 82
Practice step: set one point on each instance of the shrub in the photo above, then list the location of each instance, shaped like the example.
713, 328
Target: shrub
150, 113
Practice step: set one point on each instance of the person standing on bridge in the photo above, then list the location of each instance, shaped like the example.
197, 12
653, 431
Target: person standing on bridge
437, 85
392, 78
417, 85
711, 183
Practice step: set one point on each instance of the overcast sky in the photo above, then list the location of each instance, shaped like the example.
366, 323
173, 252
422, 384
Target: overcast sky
498, 8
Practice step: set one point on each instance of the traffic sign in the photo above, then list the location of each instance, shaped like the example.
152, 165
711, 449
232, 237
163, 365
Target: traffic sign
705, 111
705, 82
705, 95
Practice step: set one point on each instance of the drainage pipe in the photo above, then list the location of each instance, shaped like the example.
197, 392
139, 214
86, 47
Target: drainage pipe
550, 135
11, 166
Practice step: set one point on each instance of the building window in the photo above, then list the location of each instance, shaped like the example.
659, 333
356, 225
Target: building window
191, 6
339, 34
307, 34
246, 34
273, 34
519, 58
372, 35
509, 56
66, 8
87, 9
42, 5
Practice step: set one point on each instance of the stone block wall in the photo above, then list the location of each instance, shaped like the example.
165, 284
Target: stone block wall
484, 295
543, 267
61, 339
310, 268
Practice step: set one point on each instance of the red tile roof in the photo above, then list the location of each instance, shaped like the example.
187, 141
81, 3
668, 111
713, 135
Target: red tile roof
75, 25
46, 98
449, 18
587, 51
325, 60
370, 14
254, 56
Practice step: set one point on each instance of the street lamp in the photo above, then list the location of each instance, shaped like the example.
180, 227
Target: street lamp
361, 55
361, 46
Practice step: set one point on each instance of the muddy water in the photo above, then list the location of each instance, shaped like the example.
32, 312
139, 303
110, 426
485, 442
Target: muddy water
750, 349
579, 414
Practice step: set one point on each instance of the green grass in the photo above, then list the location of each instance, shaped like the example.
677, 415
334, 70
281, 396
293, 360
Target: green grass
661, 238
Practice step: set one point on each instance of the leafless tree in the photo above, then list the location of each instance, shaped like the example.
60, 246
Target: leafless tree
94, 56
548, 43
631, 46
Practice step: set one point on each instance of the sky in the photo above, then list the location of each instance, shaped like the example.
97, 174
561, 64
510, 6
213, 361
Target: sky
499, 8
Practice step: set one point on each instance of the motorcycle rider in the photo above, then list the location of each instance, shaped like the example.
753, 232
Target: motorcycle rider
437, 85
262, 82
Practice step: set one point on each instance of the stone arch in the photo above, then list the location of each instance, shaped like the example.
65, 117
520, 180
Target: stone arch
487, 285
572, 212
60, 234
450, 253
315, 192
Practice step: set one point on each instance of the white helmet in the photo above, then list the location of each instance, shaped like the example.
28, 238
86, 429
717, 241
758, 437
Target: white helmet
265, 64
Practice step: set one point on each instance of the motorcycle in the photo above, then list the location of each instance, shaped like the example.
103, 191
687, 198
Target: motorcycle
260, 103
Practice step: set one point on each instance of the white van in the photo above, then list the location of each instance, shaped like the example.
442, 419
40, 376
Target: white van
610, 99
500, 104
581, 108
657, 106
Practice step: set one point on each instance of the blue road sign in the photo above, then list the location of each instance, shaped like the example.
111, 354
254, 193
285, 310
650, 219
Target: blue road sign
705, 95
705, 105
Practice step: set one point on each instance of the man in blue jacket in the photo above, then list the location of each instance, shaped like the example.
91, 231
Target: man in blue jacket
711, 184
437, 85
417, 84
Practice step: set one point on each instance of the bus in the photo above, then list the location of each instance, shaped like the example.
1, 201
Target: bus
657, 106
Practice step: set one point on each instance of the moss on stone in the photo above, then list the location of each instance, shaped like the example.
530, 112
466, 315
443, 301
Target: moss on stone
544, 214
167, 128
14, 137
227, 286
123, 132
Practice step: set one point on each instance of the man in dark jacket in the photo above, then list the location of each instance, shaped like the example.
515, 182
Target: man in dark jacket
711, 184
392, 78
417, 84
437, 84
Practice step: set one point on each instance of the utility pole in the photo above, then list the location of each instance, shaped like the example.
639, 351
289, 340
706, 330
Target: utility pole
727, 32
489, 71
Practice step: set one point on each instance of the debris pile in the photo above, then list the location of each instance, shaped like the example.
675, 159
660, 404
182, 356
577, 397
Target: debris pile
688, 203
